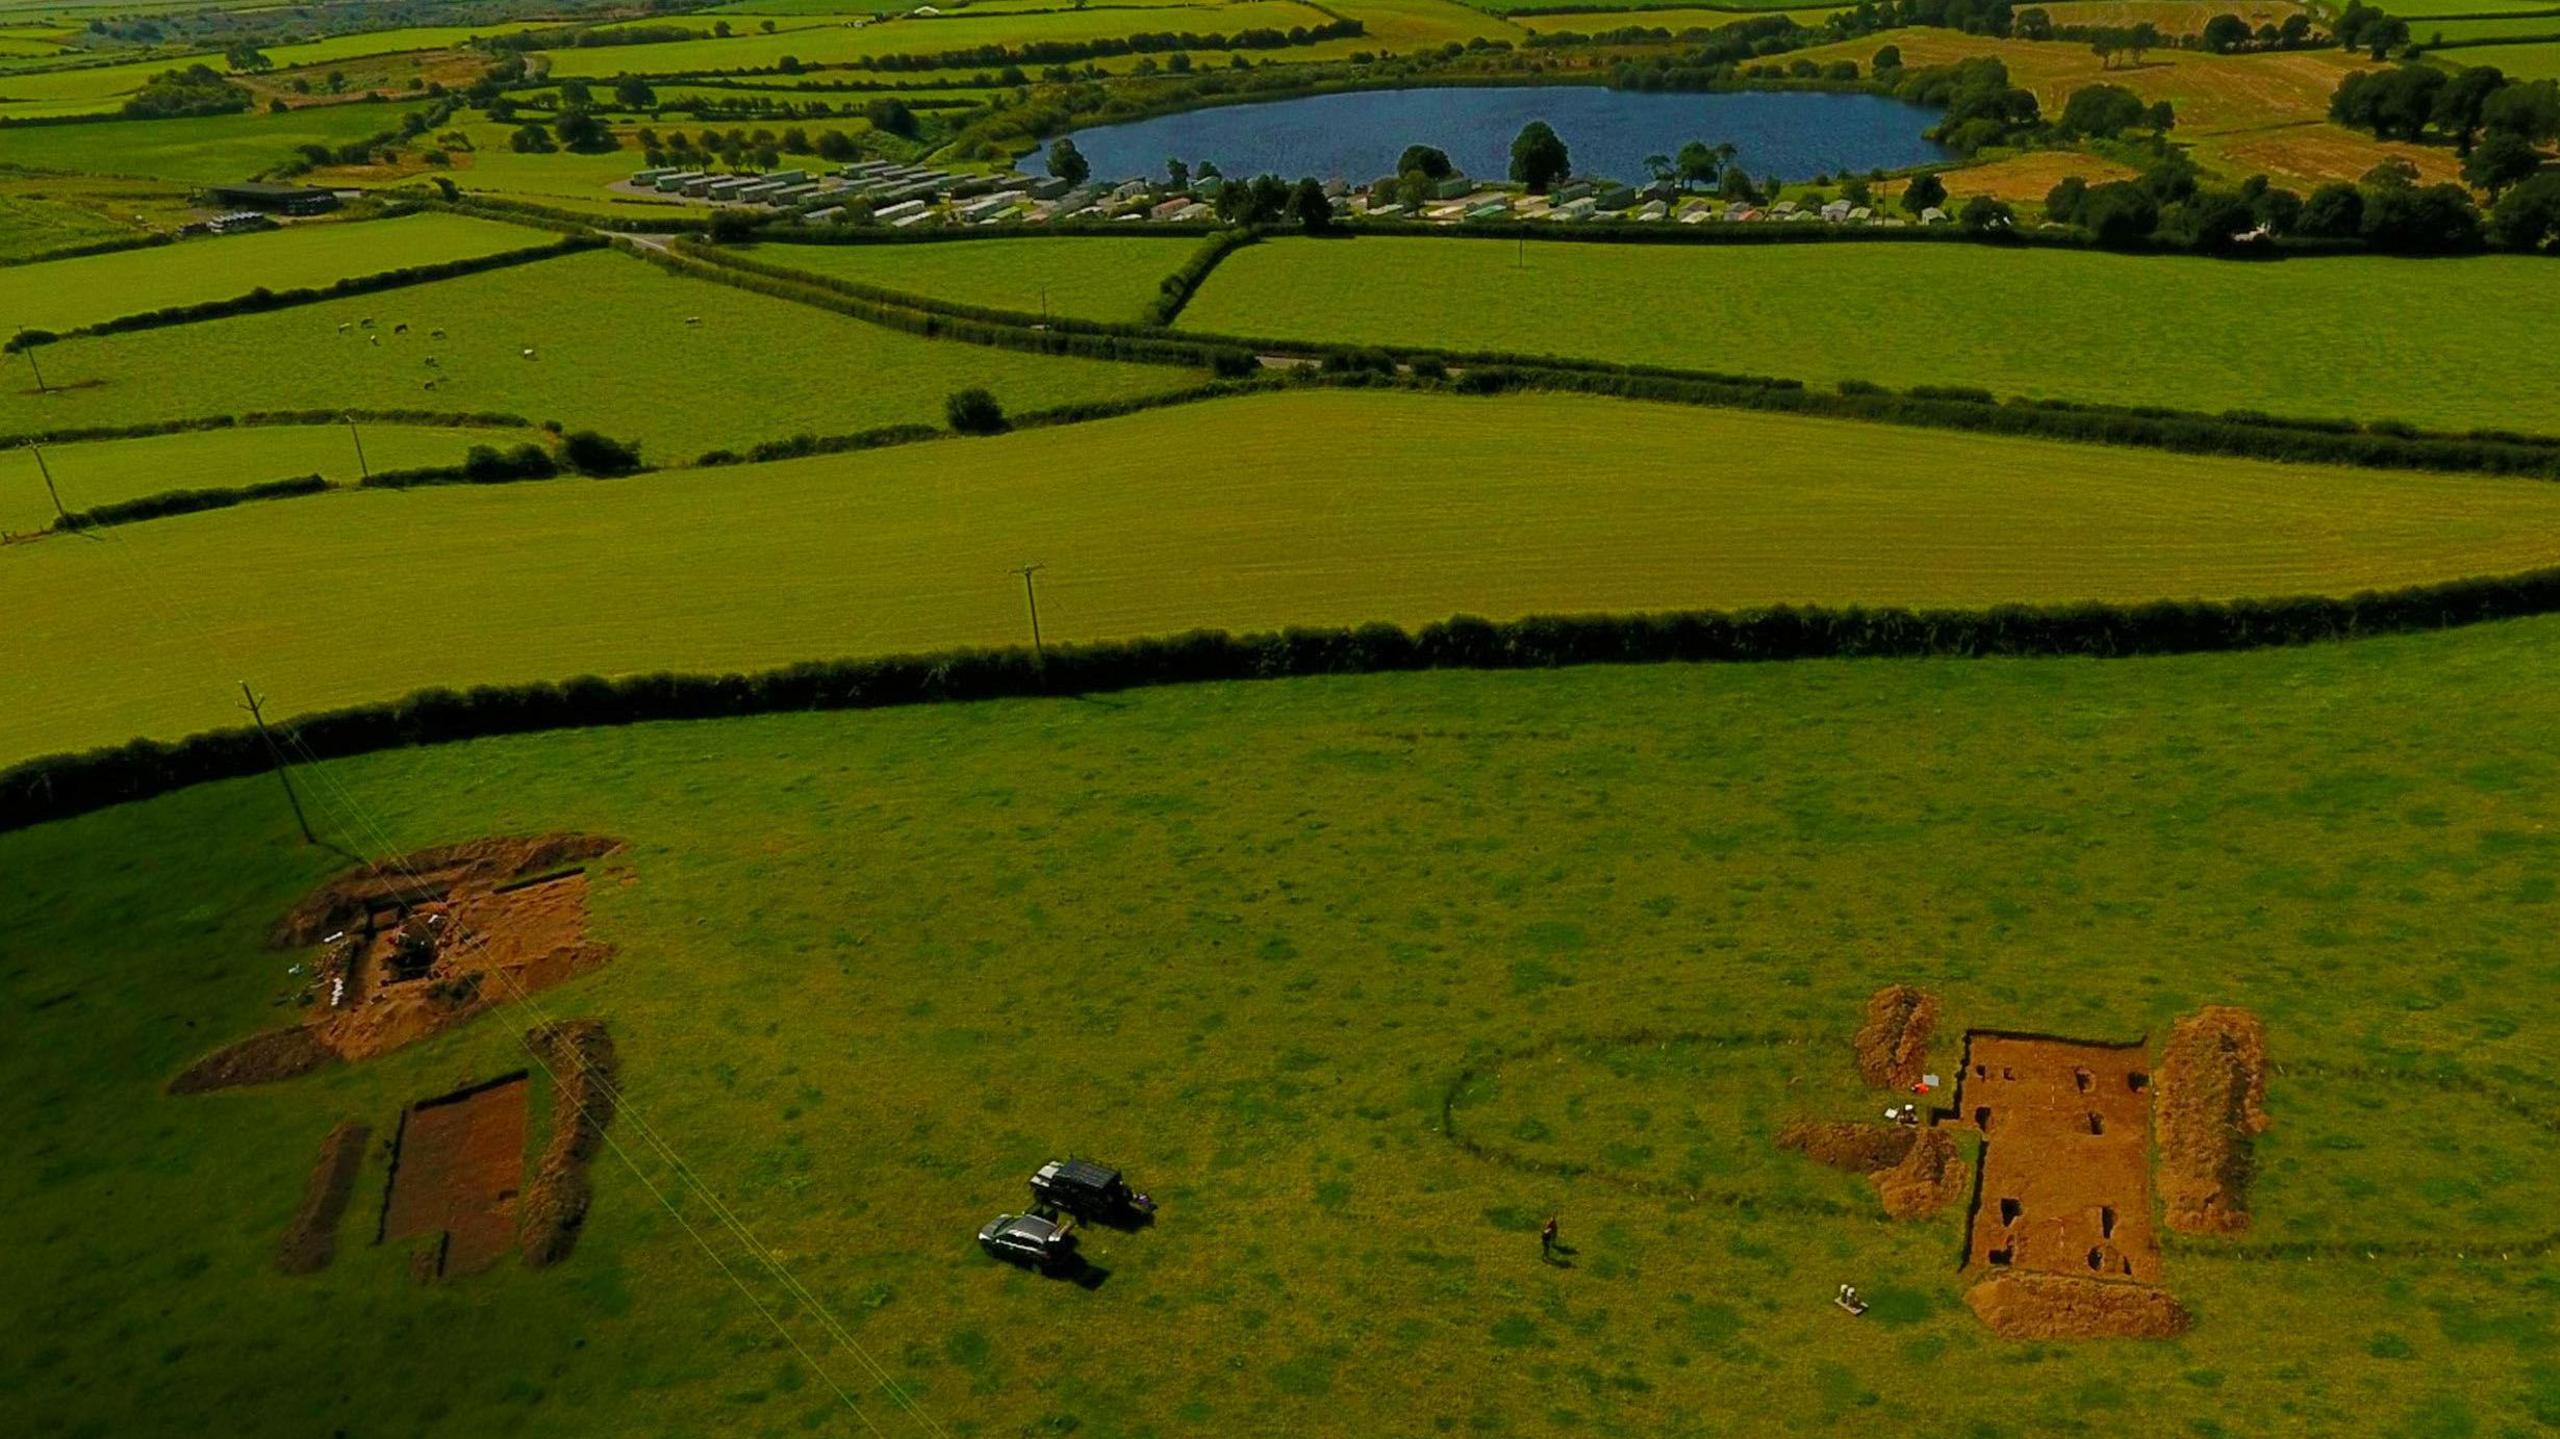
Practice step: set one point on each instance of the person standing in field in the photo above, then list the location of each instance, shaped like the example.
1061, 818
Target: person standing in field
1547, 1239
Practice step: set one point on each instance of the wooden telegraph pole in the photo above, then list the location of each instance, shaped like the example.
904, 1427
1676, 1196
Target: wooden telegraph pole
258, 717
1031, 597
61, 515
363, 471
30, 352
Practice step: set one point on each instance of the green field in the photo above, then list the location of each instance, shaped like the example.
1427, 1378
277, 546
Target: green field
206, 150
836, 45
1243, 939
2445, 344
1099, 277
65, 294
2535, 61
30, 227
612, 350
103, 472
2542, 27
1298, 508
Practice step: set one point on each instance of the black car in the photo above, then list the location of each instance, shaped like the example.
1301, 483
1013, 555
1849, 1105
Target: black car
1031, 1240
1088, 1190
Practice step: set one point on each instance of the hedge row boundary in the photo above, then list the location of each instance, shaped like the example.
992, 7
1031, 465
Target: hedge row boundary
2242, 434
263, 299
60, 786
445, 419
112, 246
1174, 291
186, 502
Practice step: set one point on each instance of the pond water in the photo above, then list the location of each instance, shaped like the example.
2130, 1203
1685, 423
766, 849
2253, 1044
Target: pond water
1356, 136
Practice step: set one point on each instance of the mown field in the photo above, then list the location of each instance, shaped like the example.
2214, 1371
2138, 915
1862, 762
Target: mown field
2446, 344
203, 150
2539, 61
65, 294
104, 472
611, 350
1100, 277
1295, 508
1243, 940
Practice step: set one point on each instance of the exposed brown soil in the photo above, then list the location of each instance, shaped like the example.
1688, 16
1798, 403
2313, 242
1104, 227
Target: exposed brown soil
311, 1241
2069, 1306
456, 1169
2066, 1162
1930, 1177
1893, 1045
580, 1056
1857, 1148
2213, 1091
259, 1059
420, 943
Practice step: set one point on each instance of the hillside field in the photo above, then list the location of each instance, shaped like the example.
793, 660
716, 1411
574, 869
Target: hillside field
2448, 344
1245, 940
1099, 277
65, 294
103, 472
204, 150
1220, 515
838, 45
611, 350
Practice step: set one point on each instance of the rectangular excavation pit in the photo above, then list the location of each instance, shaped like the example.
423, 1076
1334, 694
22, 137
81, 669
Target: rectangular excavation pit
457, 1169
2066, 1157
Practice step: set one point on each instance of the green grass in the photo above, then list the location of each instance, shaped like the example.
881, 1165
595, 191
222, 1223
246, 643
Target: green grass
1241, 939
1103, 277
2540, 28
2537, 61
31, 227
206, 150
2449, 344
101, 472
612, 351
65, 294
837, 44
1299, 507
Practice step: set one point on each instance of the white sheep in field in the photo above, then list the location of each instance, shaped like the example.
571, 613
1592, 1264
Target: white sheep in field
528, 352
343, 327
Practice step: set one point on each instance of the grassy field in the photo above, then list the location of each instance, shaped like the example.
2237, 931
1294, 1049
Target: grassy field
2172, 17
30, 227
205, 150
1588, 22
63, 294
1296, 508
1100, 277
2447, 344
101, 472
2519, 62
836, 45
1243, 939
611, 350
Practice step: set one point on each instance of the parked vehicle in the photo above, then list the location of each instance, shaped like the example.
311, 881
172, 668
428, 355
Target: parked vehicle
1089, 1190
1031, 1240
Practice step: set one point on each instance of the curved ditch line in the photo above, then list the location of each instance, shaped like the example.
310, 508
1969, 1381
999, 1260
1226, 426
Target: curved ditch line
2268, 1251
1662, 1189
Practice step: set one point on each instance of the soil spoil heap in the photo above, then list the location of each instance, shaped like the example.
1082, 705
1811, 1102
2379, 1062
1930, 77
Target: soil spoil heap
2213, 1094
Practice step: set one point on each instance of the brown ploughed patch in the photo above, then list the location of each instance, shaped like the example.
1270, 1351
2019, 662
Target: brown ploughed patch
2213, 1092
311, 1241
1893, 1044
455, 1172
2066, 1160
1916, 1171
420, 943
1857, 1148
580, 1056
2069, 1306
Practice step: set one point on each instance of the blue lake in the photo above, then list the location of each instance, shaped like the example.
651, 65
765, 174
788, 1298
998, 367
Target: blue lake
1356, 136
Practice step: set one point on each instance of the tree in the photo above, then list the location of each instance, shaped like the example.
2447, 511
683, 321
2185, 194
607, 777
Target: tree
247, 58
1067, 163
891, 117
2101, 111
1177, 174
1699, 162
2461, 102
2225, 33
2335, 211
2162, 117
974, 411
531, 139
590, 453
2435, 220
195, 90
2500, 160
837, 146
576, 92
734, 226
583, 132
633, 93
1659, 166
1983, 215
1887, 58
1735, 184
1925, 192
2528, 217
2062, 202
1311, 207
2529, 112
1539, 157
1429, 161
2119, 213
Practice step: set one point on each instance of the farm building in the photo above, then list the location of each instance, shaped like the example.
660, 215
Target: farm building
280, 199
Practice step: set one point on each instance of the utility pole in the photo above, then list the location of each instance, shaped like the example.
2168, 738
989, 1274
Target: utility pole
258, 717
1044, 307
62, 516
30, 352
1031, 597
362, 470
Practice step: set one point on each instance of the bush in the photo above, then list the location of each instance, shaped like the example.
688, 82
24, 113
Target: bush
590, 453
974, 411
